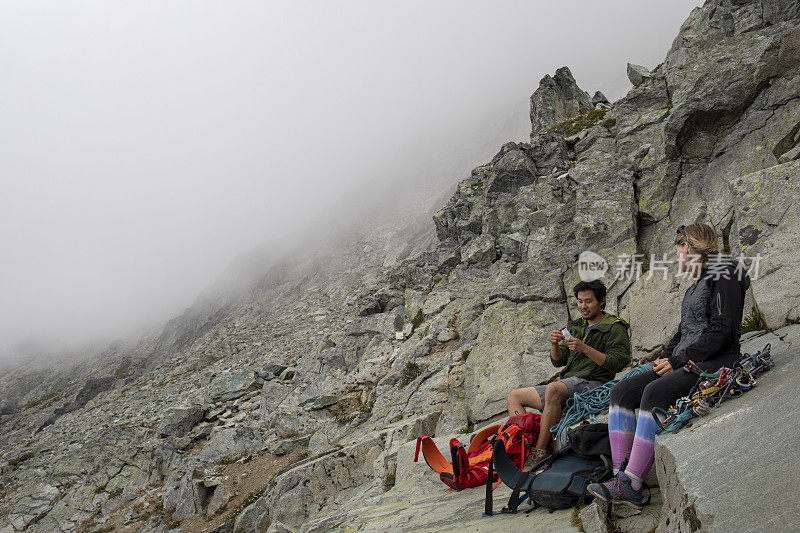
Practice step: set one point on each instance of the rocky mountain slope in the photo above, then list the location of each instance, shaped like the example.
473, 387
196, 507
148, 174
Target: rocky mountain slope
290, 407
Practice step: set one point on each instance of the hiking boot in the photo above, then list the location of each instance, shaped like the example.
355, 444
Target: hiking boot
534, 457
619, 490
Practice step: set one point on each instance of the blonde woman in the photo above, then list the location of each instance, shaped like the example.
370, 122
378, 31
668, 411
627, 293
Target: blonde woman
708, 334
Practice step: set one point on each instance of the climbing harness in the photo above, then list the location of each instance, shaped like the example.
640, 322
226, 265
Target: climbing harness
587, 404
712, 388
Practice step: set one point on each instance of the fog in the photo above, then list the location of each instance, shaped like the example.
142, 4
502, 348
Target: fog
144, 145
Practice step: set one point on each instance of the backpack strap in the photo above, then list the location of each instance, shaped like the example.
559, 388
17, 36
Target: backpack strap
489, 501
432, 456
482, 436
598, 475
506, 434
459, 462
515, 500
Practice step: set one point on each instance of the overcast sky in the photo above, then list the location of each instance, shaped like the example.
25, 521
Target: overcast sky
143, 145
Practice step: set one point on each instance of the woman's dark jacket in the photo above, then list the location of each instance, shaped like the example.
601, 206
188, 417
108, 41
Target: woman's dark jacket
711, 317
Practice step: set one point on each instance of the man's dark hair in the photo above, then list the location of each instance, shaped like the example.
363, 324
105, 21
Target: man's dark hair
596, 286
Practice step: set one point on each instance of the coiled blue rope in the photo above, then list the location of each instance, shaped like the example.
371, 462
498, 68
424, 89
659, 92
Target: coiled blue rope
589, 403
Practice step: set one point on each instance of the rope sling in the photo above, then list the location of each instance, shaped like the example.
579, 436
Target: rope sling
712, 388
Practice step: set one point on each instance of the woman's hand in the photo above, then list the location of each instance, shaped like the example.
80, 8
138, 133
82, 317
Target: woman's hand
662, 366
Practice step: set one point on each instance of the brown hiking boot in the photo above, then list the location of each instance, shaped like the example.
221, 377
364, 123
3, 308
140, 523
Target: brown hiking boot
534, 458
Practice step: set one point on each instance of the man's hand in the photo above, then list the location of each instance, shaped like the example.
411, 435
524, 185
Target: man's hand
662, 366
556, 336
576, 345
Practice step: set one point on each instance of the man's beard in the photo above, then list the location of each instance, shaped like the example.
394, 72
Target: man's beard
595, 315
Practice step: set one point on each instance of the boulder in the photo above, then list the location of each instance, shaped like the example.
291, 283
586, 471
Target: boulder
32, 503
289, 445
512, 351
273, 370
436, 301
638, 74
231, 442
219, 500
319, 402
599, 98
480, 251
604, 219
653, 309
231, 385
766, 227
513, 246
252, 519
272, 395
368, 306
185, 496
790, 155
178, 422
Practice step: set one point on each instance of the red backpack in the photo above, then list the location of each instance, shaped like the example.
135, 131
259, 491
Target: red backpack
470, 467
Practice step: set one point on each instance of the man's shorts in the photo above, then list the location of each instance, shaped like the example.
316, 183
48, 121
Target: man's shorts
573, 385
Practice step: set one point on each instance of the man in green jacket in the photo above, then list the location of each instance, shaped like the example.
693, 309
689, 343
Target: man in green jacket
597, 347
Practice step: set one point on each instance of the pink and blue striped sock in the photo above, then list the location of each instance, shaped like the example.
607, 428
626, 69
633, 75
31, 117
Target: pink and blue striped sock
642, 452
621, 428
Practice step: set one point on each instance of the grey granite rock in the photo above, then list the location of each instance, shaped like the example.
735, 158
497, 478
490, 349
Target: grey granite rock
557, 99
767, 230
599, 98
232, 385
178, 422
723, 450
638, 74
231, 442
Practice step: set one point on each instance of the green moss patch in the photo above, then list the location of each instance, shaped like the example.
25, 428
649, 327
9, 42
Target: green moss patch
609, 123
579, 123
411, 372
417, 319
754, 321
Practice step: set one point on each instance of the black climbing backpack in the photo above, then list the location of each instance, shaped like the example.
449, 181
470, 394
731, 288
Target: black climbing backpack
560, 480
590, 440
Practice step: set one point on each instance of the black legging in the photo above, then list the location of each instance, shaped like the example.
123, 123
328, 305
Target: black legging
648, 390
